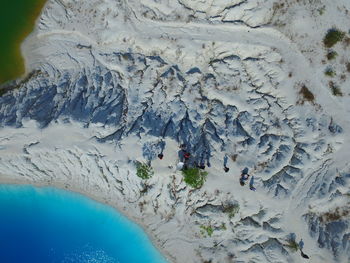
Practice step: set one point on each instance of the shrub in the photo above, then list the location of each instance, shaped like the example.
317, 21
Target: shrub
144, 171
223, 226
321, 10
348, 66
231, 210
292, 245
331, 55
207, 229
332, 37
194, 177
307, 94
329, 72
335, 89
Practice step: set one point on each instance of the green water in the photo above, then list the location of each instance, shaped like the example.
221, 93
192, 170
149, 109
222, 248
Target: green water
17, 19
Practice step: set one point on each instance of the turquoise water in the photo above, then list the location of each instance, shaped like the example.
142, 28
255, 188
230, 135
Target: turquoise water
47, 225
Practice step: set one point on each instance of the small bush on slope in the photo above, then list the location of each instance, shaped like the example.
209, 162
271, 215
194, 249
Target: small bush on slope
335, 89
332, 37
331, 55
194, 177
292, 245
207, 229
144, 171
307, 94
329, 72
231, 210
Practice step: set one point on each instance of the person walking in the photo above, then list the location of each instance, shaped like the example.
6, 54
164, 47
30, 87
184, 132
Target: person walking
251, 184
244, 176
301, 246
226, 169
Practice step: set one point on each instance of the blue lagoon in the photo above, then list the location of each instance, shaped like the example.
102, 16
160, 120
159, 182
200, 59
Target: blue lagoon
47, 225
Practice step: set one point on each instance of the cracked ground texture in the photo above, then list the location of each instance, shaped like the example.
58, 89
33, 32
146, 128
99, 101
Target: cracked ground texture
210, 74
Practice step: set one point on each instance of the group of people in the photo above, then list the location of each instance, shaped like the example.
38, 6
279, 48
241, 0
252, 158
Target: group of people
185, 155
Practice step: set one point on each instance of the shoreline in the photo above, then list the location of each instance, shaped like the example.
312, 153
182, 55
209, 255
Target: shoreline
105, 201
17, 56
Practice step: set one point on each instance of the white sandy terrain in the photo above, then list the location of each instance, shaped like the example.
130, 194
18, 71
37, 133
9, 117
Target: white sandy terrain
113, 82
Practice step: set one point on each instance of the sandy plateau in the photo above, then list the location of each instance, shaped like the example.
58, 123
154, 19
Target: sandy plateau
114, 82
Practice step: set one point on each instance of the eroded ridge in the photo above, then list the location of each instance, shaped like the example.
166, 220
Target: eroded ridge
235, 107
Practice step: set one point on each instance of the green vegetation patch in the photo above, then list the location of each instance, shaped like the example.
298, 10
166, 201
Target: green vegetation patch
231, 210
331, 55
194, 177
292, 245
144, 170
335, 89
329, 72
223, 226
332, 37
321, 10
207, 230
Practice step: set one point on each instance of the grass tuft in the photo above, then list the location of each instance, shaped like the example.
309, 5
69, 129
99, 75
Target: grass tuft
331, 55
329, 72
292, 245
321, 10
335, 89
207, 229
307, 94
332, 37
231, 210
